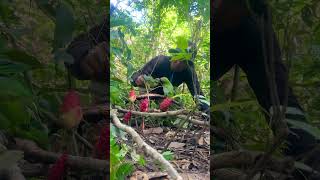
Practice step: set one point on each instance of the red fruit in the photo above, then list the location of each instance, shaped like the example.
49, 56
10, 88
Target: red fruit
165, 104
132, 96
71, 112
70, 101
58, 169
144, 104
103, 144
127, 117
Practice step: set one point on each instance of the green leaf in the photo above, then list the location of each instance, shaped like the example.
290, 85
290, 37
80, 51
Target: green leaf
5, 122
302, 166
124, 170
167, 87
64, 26
8, 68
23, 57
168, 155
47, 6
15, 111
305, 126
182, 42
11, 89
36, 135
142, 161
180, 56
119, 22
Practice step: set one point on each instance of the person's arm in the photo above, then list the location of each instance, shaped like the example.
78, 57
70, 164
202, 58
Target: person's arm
90, 53
147, 69
195, 90
192, 81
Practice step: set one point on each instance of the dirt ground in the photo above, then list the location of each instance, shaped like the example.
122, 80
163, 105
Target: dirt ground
190, 148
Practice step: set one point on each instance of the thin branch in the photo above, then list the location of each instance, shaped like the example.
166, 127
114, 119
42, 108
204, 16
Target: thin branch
153, 114
32, 151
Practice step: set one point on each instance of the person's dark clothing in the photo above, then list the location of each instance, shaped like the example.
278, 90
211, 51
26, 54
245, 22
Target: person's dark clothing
83, 43
242, 46
160, 67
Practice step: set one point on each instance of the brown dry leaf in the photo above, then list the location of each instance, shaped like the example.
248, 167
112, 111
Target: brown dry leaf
200, 140
139, 175
157, 130
207, 140
193, 176
185, 165
157, 175
169, 134
176, 145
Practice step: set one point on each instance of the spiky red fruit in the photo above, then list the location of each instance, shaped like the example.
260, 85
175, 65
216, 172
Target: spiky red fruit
71, 112
103, 144
165, 104
127, 117
132, 96
144, 105
58, 169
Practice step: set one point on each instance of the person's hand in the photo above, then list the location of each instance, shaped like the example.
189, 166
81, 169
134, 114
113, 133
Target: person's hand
204, 105
95, 63
140, 81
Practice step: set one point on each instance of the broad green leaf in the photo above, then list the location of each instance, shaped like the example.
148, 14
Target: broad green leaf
305, 126
5, 122
47, 6
9, 68
302, 166
64, 26
124, 170
180, 56
36, 135
168, 155
16, 112
12, 89
20, 56
167, 87
114, 95
182, 42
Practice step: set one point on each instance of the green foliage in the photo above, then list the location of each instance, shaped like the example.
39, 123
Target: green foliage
33, 38
119, 168
168, 155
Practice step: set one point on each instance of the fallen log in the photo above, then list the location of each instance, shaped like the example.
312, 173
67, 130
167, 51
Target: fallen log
36, 154
241, 159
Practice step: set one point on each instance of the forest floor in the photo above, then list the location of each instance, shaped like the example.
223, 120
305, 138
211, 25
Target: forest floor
190, 148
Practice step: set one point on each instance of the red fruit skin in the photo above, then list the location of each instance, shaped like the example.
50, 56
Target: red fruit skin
57, 171
70, 101
71, 111
144, 105
132, 96
127, 117
165, 104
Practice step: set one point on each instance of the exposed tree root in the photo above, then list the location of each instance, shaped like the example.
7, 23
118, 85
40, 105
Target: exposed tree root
145, 147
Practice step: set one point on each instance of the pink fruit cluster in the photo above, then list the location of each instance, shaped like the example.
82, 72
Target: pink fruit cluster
144, 105
127, 117
165, 104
